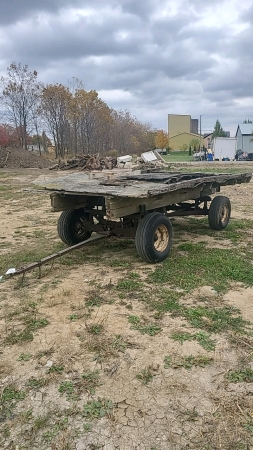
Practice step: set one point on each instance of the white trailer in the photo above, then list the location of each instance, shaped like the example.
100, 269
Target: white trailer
224, 147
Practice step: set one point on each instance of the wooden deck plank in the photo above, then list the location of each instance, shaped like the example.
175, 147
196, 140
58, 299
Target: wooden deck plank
121, 207
138, 186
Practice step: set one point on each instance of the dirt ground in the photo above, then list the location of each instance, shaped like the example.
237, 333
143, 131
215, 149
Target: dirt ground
18, 158
86, 378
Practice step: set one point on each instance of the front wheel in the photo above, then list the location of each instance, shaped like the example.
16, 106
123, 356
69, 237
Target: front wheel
219, 213
73, 226
153, 239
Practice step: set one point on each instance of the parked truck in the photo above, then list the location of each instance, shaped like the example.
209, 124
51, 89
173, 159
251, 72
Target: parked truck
224, 148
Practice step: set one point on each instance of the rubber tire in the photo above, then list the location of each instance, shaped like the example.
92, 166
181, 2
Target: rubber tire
67, 227
145, 237
216, 210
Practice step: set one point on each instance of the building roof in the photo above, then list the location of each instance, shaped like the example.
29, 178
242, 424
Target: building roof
186, 132
224, 138
246, 128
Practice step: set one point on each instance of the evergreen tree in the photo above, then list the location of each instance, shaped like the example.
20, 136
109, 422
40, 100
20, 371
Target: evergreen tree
218, 130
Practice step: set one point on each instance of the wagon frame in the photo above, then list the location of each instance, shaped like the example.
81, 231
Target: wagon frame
138, 205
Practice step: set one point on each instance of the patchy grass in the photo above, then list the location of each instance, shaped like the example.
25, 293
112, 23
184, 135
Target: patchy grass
24, 357
67, 387
32, 323
10, 395
96, 409
95, 328
239, 376
236, 230
144, 328
119, 344
57, 369
129, 285
202, 338
104, 347
146, 375
215, 320
35, 383
162, 300
187, 361
16, 337
55, 407
200, 265
90, 380
27, 255
120, 263
95, 298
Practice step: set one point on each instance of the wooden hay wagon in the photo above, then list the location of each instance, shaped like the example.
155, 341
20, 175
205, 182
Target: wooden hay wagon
138, 205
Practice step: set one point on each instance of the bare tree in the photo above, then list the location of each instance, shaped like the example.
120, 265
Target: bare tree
20, 92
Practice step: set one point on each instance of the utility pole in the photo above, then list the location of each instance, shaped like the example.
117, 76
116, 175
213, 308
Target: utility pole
200, 132
200, 137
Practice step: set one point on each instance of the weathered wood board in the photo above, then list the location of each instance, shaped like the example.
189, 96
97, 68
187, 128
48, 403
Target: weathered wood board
139, 185
126, 195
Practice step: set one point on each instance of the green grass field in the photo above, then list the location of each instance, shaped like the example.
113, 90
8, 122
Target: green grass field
178, 157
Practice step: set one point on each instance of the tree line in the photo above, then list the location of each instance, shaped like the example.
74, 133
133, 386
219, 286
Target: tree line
77, 121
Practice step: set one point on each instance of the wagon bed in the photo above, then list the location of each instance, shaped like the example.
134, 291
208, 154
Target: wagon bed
137, 204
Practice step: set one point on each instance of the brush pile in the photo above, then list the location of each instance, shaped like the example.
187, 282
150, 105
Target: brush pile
86, 162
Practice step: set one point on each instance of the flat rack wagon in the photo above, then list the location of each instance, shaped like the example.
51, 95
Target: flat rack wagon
138, 205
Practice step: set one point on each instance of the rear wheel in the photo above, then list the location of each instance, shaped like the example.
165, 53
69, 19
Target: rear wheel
153, 239
73, 226
219, 213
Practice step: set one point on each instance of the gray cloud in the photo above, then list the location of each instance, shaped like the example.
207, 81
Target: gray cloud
15, 10
154, 57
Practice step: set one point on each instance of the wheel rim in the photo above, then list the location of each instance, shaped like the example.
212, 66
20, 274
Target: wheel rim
79, 228
224, 214
161, 238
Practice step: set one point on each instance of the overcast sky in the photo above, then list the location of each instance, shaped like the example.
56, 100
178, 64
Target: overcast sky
151, 57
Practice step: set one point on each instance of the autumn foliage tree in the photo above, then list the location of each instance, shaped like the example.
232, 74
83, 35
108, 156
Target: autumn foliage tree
78, 121
161, 139
9, 136
128, 135
89, 120
55, 101
81, 122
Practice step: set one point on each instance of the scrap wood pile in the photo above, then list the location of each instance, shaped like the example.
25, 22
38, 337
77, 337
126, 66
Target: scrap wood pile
86, 162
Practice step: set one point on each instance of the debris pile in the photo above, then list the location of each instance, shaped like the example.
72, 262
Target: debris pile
151, 161
17, 158
143, 165
86, 162
148, 160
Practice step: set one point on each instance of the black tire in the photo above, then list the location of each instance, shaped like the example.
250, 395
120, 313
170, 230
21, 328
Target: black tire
219, 213
153, 239
71, 226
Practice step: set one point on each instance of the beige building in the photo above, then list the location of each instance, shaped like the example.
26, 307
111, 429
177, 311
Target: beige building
182, 141
208, 140
178, 124
182, 129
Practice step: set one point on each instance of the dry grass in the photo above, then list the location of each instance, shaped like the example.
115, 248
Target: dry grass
111, 321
